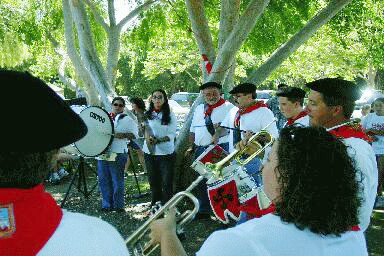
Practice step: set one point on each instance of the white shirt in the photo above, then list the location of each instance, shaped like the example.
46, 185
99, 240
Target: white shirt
82, 235
159, 131
124, 125
269, 236
365, 162
198, 126
253, 121
373, 121
302, 121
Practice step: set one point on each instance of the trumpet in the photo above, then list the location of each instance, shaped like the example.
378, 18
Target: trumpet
260, 141
135, 241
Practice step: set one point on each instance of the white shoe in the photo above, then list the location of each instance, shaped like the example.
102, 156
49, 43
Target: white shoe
62, 173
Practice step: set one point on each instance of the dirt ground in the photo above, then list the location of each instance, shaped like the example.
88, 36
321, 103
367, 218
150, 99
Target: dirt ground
137, 206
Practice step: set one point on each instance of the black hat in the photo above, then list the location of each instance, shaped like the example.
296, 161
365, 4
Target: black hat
336, 88
291, 92
35, 118
210, 84
244, 88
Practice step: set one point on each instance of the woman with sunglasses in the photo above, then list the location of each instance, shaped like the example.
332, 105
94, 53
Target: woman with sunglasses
111, 164
311, 180
159, 148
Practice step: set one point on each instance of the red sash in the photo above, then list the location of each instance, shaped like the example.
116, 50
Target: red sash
242, 111
351, 131
28, 218
210, 108
292, 120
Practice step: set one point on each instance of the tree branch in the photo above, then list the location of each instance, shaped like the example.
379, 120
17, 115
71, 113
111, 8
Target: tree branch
97, 15
201, 31
135, 12
281, 54
235, 40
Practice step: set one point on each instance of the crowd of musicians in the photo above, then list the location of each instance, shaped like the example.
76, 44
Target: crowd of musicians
322, 174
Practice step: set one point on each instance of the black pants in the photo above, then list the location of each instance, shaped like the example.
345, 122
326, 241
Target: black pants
160, 175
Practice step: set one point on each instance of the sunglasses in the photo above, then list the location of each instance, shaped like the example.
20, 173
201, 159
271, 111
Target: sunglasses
157, 97
118, 105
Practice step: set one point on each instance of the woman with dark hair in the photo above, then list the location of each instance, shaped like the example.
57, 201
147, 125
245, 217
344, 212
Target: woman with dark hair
311, 180
110, 168
138, 108
159, 147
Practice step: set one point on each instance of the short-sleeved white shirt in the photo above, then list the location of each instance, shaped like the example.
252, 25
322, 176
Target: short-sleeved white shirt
123, 125
198, 126
82, 235
269, 236
373, 121
159, 131
253, 121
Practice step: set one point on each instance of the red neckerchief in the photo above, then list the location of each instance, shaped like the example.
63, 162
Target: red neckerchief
248, 109
292, 120
210, 108
156, 110
351, 130
112, 115
28, 218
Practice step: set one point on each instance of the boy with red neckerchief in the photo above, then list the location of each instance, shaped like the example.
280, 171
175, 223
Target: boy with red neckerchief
291, 100
331, 102
31, 223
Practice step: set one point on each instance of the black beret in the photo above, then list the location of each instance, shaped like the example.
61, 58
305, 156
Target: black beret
35, 118
210, 84
291, 92
336, 88
244, 88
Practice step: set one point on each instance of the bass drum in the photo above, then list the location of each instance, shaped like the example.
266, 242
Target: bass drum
100, 132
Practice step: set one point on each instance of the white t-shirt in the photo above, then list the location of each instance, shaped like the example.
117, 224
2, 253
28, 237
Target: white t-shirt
160, 131
253, 121
82, 235
123, 125
198, 126
269, 236
365, 161
373, 121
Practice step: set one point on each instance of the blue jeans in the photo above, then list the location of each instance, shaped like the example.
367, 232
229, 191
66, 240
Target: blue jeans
201, 189
160, 175
111, 181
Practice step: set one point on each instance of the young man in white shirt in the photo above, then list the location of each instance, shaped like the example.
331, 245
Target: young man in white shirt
291, 100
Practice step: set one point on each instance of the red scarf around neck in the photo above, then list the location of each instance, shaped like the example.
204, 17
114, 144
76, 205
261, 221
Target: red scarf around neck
210, 108
28, 218
300, 115
351, 130
248, 109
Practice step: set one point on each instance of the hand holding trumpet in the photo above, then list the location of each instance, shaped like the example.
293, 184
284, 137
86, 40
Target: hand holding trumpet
164, 231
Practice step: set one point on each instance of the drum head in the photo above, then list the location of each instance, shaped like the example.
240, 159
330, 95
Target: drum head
100, 132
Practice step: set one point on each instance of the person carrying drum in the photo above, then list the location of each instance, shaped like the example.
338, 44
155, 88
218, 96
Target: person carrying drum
206, 118
331, 102
159, 146
291, 100
31, 223
316, 203
110, 167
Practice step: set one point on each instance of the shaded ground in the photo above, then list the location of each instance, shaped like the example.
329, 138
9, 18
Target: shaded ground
137, 207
